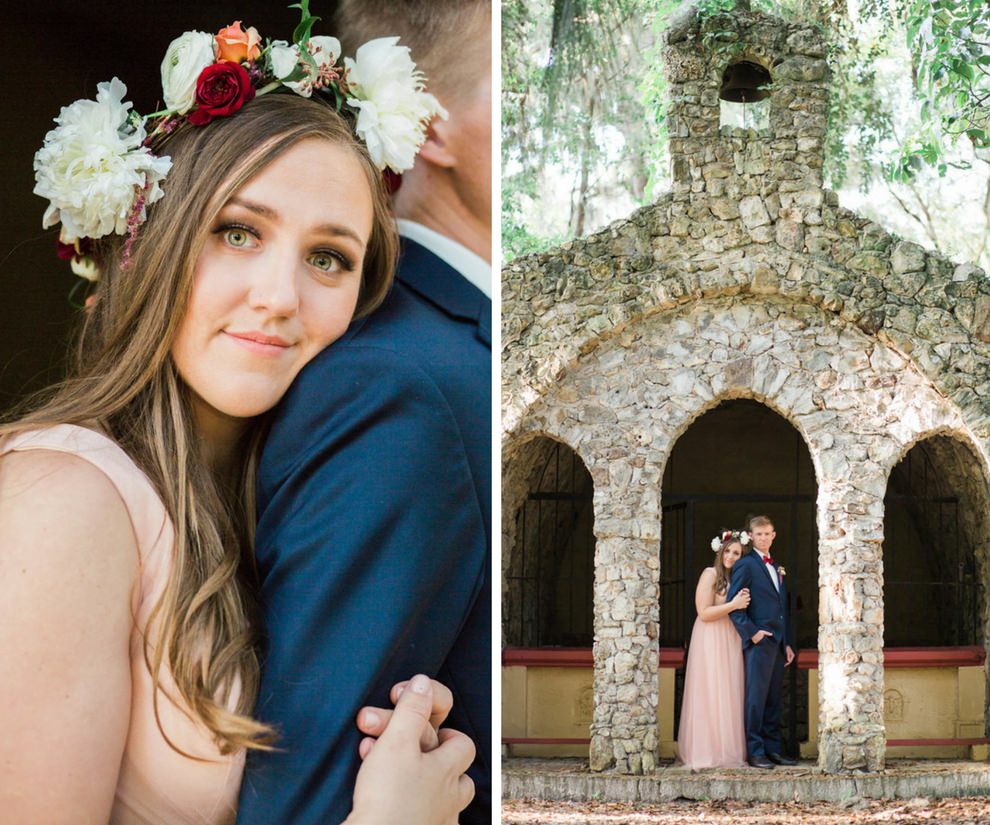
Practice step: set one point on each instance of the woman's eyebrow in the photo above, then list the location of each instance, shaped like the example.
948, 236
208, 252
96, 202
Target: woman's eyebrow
257, 208
273, 215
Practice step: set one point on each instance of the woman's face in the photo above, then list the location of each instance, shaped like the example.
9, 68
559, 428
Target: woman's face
731, 554
277, 280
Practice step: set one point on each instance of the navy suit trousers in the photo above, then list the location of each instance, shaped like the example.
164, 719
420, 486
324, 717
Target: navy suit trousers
764, 665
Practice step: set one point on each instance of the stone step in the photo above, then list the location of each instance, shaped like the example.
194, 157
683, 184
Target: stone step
570, 780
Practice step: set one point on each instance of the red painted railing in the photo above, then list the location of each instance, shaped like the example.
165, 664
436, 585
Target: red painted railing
898, 657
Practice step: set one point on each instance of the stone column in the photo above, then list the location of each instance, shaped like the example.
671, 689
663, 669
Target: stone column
624, 726
850, 634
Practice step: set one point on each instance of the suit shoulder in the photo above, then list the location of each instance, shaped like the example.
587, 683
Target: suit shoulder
404, 317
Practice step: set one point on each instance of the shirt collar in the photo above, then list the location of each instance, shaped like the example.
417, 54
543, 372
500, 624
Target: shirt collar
475, 269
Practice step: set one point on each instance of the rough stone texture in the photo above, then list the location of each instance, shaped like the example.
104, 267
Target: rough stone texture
867, 344
563, 780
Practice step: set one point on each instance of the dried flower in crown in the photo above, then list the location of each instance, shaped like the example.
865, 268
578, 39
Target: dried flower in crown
99, 174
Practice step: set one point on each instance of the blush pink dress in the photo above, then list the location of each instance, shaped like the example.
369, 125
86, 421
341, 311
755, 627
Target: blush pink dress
712, 733
156, 784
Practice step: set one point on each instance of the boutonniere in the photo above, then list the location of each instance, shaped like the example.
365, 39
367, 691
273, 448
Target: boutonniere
781, 571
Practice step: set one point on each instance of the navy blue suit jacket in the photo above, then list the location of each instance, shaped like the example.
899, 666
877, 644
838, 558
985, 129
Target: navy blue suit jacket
374, 541
768, 609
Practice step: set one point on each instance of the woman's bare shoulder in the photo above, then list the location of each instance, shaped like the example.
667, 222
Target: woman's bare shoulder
64, 503
708, 573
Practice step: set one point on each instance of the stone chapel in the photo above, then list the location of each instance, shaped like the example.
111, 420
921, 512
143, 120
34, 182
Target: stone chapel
745, 345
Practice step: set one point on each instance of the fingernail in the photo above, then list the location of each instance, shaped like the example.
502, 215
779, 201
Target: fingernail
371, 718
420, 684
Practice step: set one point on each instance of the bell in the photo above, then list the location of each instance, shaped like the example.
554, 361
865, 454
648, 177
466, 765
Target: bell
742, 82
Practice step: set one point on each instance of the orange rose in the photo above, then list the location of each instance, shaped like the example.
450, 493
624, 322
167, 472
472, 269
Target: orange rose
237, 45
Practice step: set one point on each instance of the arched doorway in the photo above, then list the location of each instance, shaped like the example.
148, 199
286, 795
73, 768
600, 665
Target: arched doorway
936, 522
550, 576
547, 605
739, 459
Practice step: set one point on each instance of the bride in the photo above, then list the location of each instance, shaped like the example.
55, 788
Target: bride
711, 732
233, 235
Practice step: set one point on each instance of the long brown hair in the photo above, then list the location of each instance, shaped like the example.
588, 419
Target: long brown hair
123, 382
723, 574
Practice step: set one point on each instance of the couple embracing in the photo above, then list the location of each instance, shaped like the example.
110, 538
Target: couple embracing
741, 642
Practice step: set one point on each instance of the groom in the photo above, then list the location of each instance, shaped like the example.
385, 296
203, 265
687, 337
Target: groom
374, 531
768, 644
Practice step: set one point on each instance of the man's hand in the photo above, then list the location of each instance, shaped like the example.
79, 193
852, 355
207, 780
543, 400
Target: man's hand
373, 721
760, 635
790, 655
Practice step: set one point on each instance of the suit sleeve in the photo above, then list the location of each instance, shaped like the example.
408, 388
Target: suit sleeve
367, 548
742, 576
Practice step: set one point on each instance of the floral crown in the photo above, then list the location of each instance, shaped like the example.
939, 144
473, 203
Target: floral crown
98, 170
725, 535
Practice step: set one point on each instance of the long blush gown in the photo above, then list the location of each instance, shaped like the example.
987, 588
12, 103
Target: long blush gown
712, 733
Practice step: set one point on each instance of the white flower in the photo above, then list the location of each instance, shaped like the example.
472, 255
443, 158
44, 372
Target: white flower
744, 538
394, 111
716, 544
325, 50
85, 267
185, 59
92, 166
285, 60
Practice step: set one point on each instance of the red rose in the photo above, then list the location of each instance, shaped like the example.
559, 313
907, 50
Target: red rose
220, 91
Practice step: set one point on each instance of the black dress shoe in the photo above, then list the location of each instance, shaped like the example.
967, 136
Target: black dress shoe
780, 759
760, 762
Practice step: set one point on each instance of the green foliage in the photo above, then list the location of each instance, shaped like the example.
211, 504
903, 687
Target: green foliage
950, 41
577, 72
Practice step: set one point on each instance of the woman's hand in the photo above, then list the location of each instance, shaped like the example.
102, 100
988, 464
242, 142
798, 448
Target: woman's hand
741, 600
760, 635
399, 782
372, 721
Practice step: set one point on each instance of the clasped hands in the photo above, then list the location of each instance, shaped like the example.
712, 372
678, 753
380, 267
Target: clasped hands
413, 771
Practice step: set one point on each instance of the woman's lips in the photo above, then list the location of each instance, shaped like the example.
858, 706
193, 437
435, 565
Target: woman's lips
258, 342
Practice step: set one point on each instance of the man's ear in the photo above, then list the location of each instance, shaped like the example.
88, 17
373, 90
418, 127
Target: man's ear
438, 148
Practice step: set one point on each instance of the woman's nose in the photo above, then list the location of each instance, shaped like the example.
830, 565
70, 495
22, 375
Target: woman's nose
275, 287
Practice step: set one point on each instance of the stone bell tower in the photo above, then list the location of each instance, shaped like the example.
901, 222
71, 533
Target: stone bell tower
747, 118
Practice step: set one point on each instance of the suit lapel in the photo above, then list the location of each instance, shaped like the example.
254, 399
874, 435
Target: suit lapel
444, 287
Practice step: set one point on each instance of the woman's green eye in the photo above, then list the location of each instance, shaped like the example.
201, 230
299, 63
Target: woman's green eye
324, 261
237, 237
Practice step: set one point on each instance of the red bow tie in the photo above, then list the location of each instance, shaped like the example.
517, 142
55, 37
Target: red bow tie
767, 560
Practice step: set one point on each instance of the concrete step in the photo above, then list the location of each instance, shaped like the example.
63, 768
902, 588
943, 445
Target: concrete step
570, 780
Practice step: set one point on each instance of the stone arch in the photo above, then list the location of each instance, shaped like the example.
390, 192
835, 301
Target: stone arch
628, 399
548, 541
740, 458
947, 469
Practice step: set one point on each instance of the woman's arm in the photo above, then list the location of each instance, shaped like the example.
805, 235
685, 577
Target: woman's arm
704, 599
68, 561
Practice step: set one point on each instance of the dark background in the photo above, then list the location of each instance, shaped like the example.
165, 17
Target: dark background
56, 52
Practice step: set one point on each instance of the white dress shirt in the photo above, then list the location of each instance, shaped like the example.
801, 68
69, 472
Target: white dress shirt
473, 267
770, 569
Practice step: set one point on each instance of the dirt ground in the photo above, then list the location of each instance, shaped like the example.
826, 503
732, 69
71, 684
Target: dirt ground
962, 811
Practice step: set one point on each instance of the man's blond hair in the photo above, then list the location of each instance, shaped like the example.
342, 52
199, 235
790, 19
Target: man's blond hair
450, 40
760, 521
